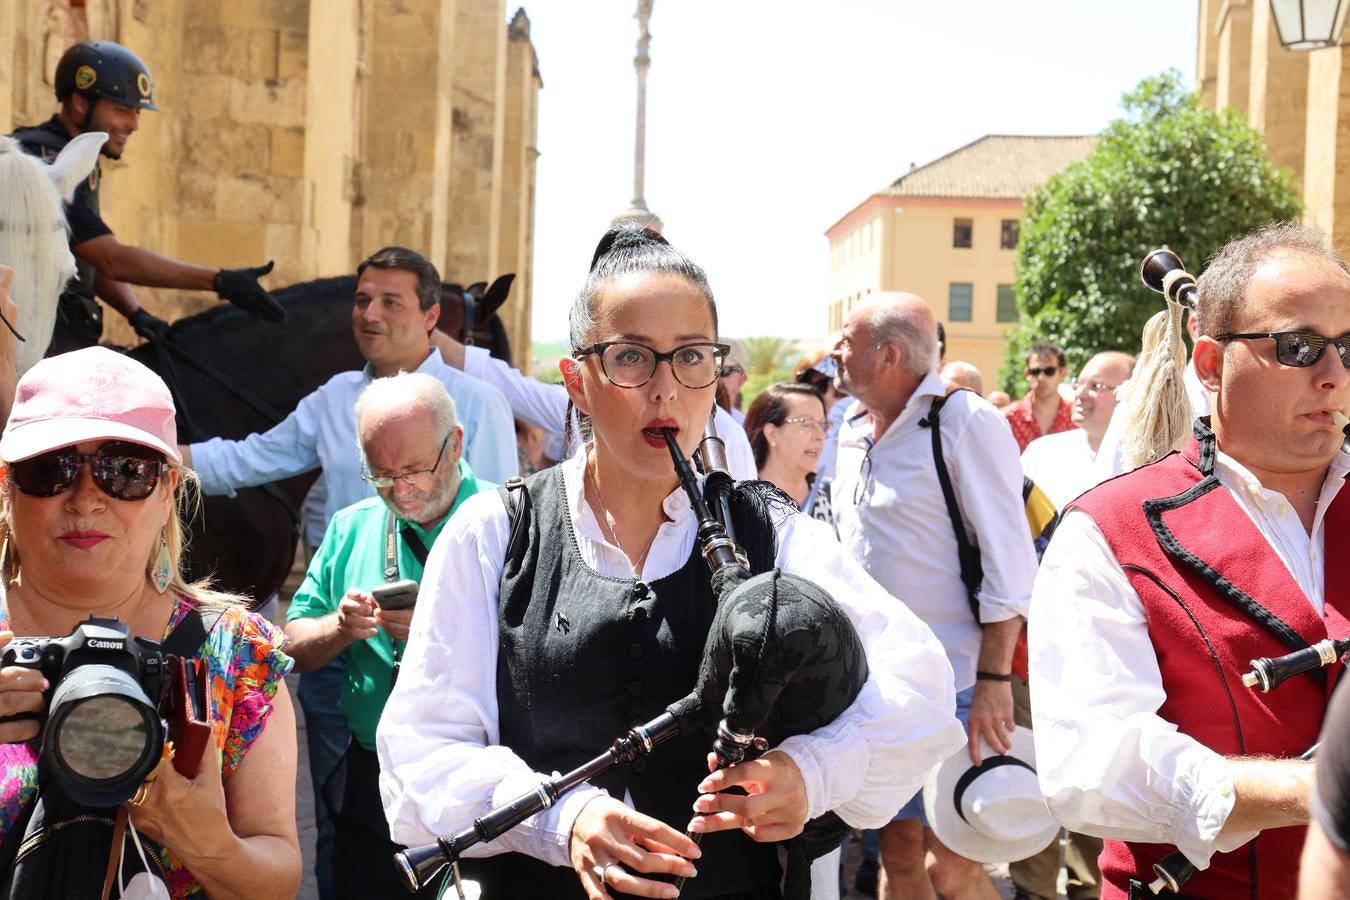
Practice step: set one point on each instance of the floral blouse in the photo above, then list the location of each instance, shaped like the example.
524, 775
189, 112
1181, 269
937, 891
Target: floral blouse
246, 665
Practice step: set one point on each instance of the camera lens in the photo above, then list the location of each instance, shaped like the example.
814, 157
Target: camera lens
103, 735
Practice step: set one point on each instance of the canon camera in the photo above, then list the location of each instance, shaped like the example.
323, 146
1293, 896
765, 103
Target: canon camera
102, 732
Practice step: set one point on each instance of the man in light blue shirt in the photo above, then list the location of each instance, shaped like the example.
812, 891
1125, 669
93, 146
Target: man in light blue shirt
397, 304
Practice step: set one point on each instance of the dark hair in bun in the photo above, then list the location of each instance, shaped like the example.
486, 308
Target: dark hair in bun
624, 250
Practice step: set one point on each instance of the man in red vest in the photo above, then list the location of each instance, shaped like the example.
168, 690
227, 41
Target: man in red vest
1161, 585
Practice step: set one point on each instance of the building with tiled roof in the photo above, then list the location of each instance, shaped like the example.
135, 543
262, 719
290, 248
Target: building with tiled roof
947, 231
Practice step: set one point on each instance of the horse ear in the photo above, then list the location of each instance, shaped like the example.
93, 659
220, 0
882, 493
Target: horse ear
496, 295
75, 161
477, 289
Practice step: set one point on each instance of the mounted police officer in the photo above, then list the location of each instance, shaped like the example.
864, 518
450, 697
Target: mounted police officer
103, 86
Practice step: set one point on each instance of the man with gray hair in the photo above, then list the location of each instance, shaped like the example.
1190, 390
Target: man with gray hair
910, 461
1161, 586
412, 447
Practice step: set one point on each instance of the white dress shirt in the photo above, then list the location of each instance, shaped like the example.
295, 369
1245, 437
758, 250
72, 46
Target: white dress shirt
544, 406
1062, 464
321, 433
1109, 765
889, 510
440, 762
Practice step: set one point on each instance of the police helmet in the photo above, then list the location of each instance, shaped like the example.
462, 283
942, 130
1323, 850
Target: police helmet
103, 70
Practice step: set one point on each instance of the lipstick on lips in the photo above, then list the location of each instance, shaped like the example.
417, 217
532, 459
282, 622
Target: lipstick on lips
651, 432
83, 540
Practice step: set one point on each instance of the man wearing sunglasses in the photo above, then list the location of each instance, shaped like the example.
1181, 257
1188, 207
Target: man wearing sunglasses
1042, 411
1160, 586
412, 446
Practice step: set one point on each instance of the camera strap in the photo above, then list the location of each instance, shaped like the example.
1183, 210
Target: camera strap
391, 529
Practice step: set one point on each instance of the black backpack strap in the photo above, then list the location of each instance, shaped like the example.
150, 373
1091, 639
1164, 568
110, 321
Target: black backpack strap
972, 570
187, 638
516, 499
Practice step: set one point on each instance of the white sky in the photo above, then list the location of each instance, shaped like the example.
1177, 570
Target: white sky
768, 121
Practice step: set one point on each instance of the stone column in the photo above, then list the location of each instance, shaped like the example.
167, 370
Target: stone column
514, 248
1277, 101
479, 40
637, 210
1234, 57
394, 202
333, 124
1326, 184
1207, 52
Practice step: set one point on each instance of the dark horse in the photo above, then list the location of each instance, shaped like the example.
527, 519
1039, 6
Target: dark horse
233, 374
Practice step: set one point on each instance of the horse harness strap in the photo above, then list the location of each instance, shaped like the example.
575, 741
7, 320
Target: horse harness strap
391, 530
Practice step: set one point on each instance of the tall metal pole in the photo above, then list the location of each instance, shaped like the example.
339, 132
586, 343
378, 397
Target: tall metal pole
638, 210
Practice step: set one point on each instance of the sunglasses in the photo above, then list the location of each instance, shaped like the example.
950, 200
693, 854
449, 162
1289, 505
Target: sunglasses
122, 470
1297, 348
1047, 371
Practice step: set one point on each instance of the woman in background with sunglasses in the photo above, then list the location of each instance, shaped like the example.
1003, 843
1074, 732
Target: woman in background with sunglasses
786, 426
91, 527
529, 655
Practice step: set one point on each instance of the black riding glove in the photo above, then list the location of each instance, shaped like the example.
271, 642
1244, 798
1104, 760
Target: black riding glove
240, 287
148, 326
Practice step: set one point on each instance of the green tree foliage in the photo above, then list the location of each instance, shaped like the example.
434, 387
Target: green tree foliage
767, 354
1170, 171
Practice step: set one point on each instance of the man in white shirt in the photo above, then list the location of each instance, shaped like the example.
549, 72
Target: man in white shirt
1064, 464
1160, 586
890, 512
396, 307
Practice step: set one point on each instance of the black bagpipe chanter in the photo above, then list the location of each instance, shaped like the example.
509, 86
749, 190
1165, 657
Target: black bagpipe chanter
781, 658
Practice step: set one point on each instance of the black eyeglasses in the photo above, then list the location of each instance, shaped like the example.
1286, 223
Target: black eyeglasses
380, 482
630, 365
1047, 371
122, 470
1298, 349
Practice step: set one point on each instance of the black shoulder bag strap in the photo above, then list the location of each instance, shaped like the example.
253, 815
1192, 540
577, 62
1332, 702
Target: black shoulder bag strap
516, 499
188, 637
972, 570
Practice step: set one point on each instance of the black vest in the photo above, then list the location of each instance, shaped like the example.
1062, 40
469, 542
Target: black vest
581, 659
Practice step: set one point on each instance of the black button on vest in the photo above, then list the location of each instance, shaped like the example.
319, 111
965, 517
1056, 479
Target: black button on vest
631, 650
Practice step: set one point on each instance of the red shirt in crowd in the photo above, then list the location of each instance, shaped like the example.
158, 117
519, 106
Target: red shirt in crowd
1021, 416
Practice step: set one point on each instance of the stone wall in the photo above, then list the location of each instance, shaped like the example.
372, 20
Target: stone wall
307, 132
1299, 101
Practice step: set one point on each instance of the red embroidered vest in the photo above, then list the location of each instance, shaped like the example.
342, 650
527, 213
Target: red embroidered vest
1217, 596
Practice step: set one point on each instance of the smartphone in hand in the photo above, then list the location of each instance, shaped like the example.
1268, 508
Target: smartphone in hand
397, 595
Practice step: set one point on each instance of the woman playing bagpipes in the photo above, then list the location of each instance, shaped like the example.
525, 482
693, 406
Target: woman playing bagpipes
543, 634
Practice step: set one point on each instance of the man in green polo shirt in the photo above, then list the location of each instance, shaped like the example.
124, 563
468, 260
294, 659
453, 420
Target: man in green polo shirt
412, 447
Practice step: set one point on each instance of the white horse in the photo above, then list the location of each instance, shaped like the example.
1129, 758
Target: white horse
33, 238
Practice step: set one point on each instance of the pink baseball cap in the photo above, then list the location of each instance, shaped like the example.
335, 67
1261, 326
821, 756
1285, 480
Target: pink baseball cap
89, 395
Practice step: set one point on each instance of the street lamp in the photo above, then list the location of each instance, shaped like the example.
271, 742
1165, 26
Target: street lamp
1309, 24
